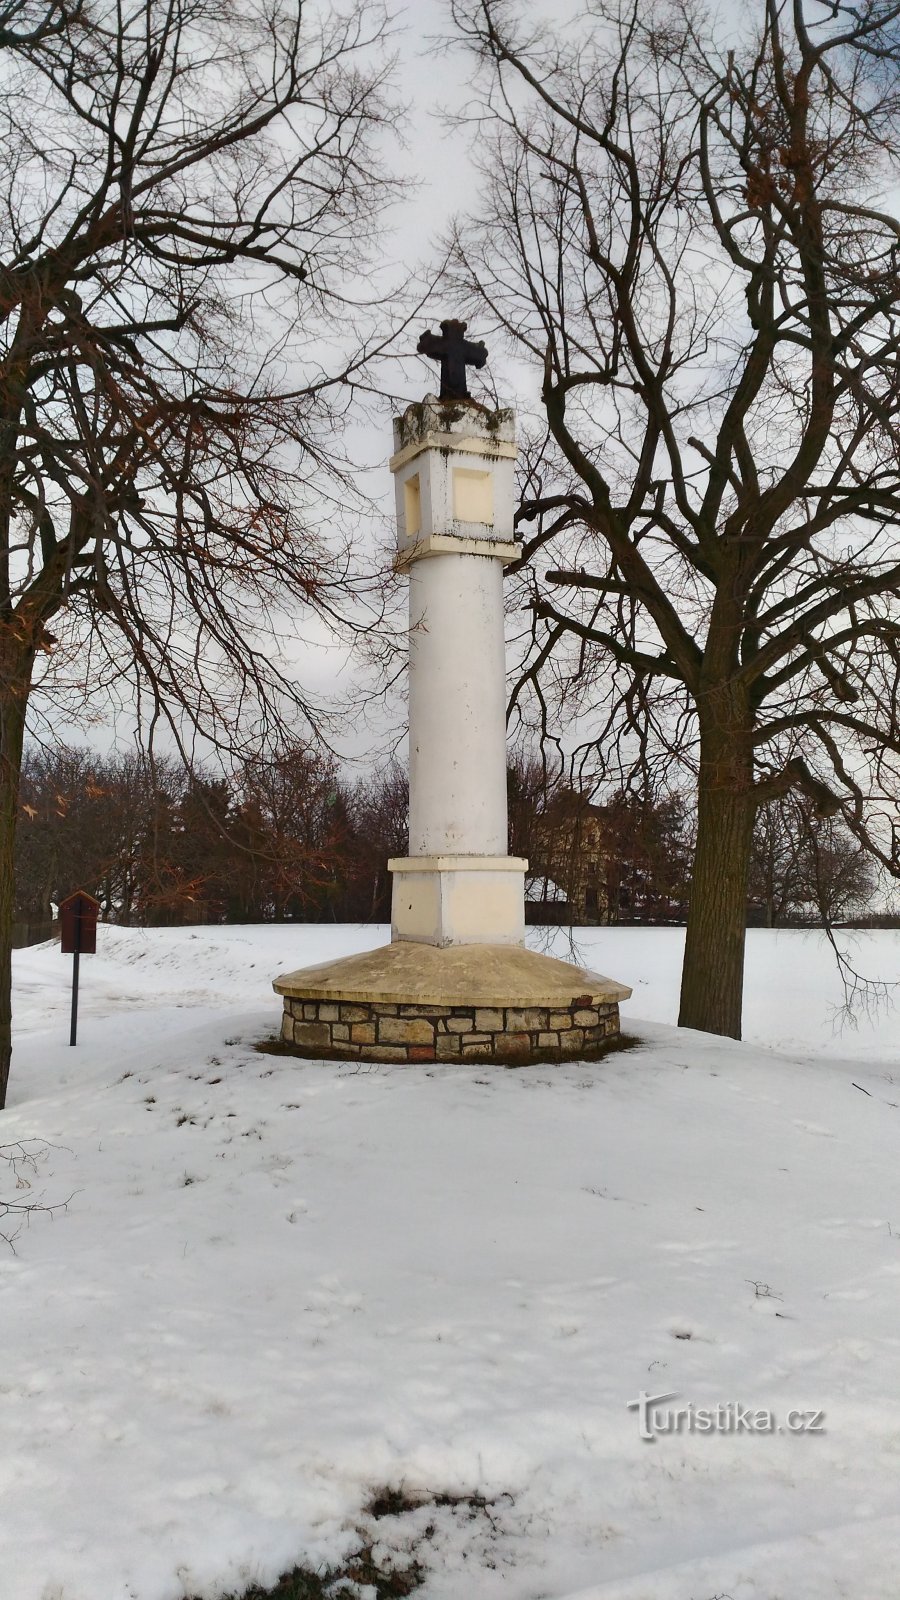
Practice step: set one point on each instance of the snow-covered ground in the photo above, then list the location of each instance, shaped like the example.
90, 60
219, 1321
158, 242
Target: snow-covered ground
279, 1288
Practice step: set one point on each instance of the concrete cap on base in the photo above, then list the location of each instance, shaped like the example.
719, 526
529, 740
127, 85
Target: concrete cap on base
471, 975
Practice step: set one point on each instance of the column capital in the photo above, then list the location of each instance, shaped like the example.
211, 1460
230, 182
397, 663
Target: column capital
454, 478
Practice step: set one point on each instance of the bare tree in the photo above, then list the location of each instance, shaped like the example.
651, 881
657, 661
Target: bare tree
19, 1165
378, 814
619, 857
107, 823
530, 787
186, 188
650, 847
291, 818
691, 236
805, 868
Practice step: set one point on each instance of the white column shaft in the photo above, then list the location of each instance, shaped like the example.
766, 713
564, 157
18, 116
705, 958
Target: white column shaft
457, 707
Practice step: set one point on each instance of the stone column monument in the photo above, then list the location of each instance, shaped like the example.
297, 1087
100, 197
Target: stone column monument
456, 982
453, 473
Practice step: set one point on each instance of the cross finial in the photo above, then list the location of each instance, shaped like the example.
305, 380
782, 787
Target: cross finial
455, 352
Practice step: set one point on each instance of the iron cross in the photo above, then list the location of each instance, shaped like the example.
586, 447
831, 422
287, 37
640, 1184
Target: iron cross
455, 352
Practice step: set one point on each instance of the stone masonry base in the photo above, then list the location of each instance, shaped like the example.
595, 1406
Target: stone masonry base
379, 1031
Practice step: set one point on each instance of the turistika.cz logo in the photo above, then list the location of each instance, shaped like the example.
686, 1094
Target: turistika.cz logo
656, 1416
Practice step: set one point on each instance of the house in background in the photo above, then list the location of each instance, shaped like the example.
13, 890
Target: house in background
571, 850
626, 861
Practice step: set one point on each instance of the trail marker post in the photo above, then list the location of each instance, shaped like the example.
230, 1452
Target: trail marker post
78, 931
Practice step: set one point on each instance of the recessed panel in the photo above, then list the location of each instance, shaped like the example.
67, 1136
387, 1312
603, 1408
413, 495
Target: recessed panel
412, 506
473, 497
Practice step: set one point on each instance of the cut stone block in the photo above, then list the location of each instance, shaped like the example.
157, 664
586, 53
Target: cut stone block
405, 1030
512, 1044
313, 1035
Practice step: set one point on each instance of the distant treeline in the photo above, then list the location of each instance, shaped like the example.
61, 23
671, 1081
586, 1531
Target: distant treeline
279, 840
294, 839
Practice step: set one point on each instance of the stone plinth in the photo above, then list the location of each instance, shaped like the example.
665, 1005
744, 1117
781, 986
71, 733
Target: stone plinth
412, 1002
458, 899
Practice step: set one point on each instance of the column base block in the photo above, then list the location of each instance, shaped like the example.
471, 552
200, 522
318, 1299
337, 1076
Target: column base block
409, 1002
450, 900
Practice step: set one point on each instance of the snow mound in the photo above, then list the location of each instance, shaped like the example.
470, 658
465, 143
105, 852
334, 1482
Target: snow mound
278, 1289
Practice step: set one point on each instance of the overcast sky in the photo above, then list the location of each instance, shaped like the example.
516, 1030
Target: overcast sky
436, 161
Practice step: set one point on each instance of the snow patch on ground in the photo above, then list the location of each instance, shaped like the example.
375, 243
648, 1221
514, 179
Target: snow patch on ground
279, 1287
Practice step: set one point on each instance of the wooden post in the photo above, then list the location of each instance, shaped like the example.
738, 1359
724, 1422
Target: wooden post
73, 1028
78, 936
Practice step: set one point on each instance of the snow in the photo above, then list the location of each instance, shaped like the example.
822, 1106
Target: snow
279, 1287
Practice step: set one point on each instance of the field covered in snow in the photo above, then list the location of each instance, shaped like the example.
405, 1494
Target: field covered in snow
280, 1288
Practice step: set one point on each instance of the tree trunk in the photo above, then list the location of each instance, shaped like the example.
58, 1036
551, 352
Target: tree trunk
712, 980
15, 681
